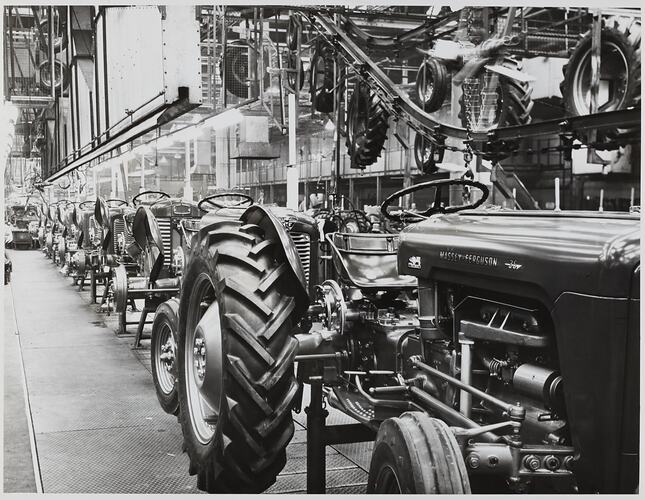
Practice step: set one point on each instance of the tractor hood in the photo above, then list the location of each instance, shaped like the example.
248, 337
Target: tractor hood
175, 207
584, 252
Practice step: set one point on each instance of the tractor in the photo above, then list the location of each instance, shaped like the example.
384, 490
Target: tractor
223, 218
69, 244
88, 243
24, 223
110, 216
159, 233
483, 349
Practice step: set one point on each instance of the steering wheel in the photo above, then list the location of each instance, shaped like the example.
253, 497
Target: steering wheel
160, 196
245, 201
116, 202
436, 207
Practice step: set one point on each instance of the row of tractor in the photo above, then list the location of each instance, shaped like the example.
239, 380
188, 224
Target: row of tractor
483, 349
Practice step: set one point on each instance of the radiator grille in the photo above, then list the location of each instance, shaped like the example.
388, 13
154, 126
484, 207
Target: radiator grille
303, 246
164, 227
119, 228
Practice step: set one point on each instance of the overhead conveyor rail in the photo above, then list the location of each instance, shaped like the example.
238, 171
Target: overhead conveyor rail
402, 106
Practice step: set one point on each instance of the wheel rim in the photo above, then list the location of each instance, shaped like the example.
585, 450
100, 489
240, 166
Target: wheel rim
203, 360
165, 359
387, 481
617, 67
427, 86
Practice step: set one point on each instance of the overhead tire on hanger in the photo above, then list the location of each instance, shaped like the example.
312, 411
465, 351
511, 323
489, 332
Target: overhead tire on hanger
235, 356
292, 76
367, 124
431, 84
293, 30
620, 62
61, 75
237, 79
416, 454
321, 80
514, 102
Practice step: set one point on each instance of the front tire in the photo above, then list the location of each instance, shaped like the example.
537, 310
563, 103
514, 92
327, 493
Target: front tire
415, 453
235, 358
163, 346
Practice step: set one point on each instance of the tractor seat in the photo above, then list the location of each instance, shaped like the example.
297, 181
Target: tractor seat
369, 260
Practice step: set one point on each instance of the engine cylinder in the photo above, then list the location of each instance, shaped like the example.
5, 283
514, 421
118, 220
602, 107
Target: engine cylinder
543, 384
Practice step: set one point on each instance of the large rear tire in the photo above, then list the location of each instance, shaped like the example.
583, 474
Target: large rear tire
415, 453
163, 347
513, 105
367, 124
235, 356
620, 65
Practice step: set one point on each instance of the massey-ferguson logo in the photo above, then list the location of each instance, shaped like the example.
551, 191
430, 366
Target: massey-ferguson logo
414, 262
468, 258
288, 222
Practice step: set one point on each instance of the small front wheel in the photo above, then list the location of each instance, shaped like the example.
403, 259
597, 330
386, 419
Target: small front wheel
163, 346
415, 453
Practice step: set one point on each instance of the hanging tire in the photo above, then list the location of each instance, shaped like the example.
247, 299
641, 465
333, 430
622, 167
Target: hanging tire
321, 79
60, 40
295, 21
61, 75
237, 78
424, 151
431, 85
235, 356
367, 124
163, 349
292, 76
620, 63
416, 454
513, 105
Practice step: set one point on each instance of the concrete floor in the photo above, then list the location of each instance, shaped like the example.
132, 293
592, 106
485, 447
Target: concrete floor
90, 401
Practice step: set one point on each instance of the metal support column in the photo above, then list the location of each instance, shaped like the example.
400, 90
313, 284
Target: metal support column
319, 435
378, 190
316, 464
293, 176
52, 66
188, 188
143, 175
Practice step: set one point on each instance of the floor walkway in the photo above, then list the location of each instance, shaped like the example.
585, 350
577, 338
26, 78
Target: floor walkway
97, 425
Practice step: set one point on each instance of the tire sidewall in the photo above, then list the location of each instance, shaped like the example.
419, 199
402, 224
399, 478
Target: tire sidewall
203, 453
166, 315
395, 455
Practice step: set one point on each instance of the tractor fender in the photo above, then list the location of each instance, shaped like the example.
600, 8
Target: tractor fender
101, 212
274, 230
146, 233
